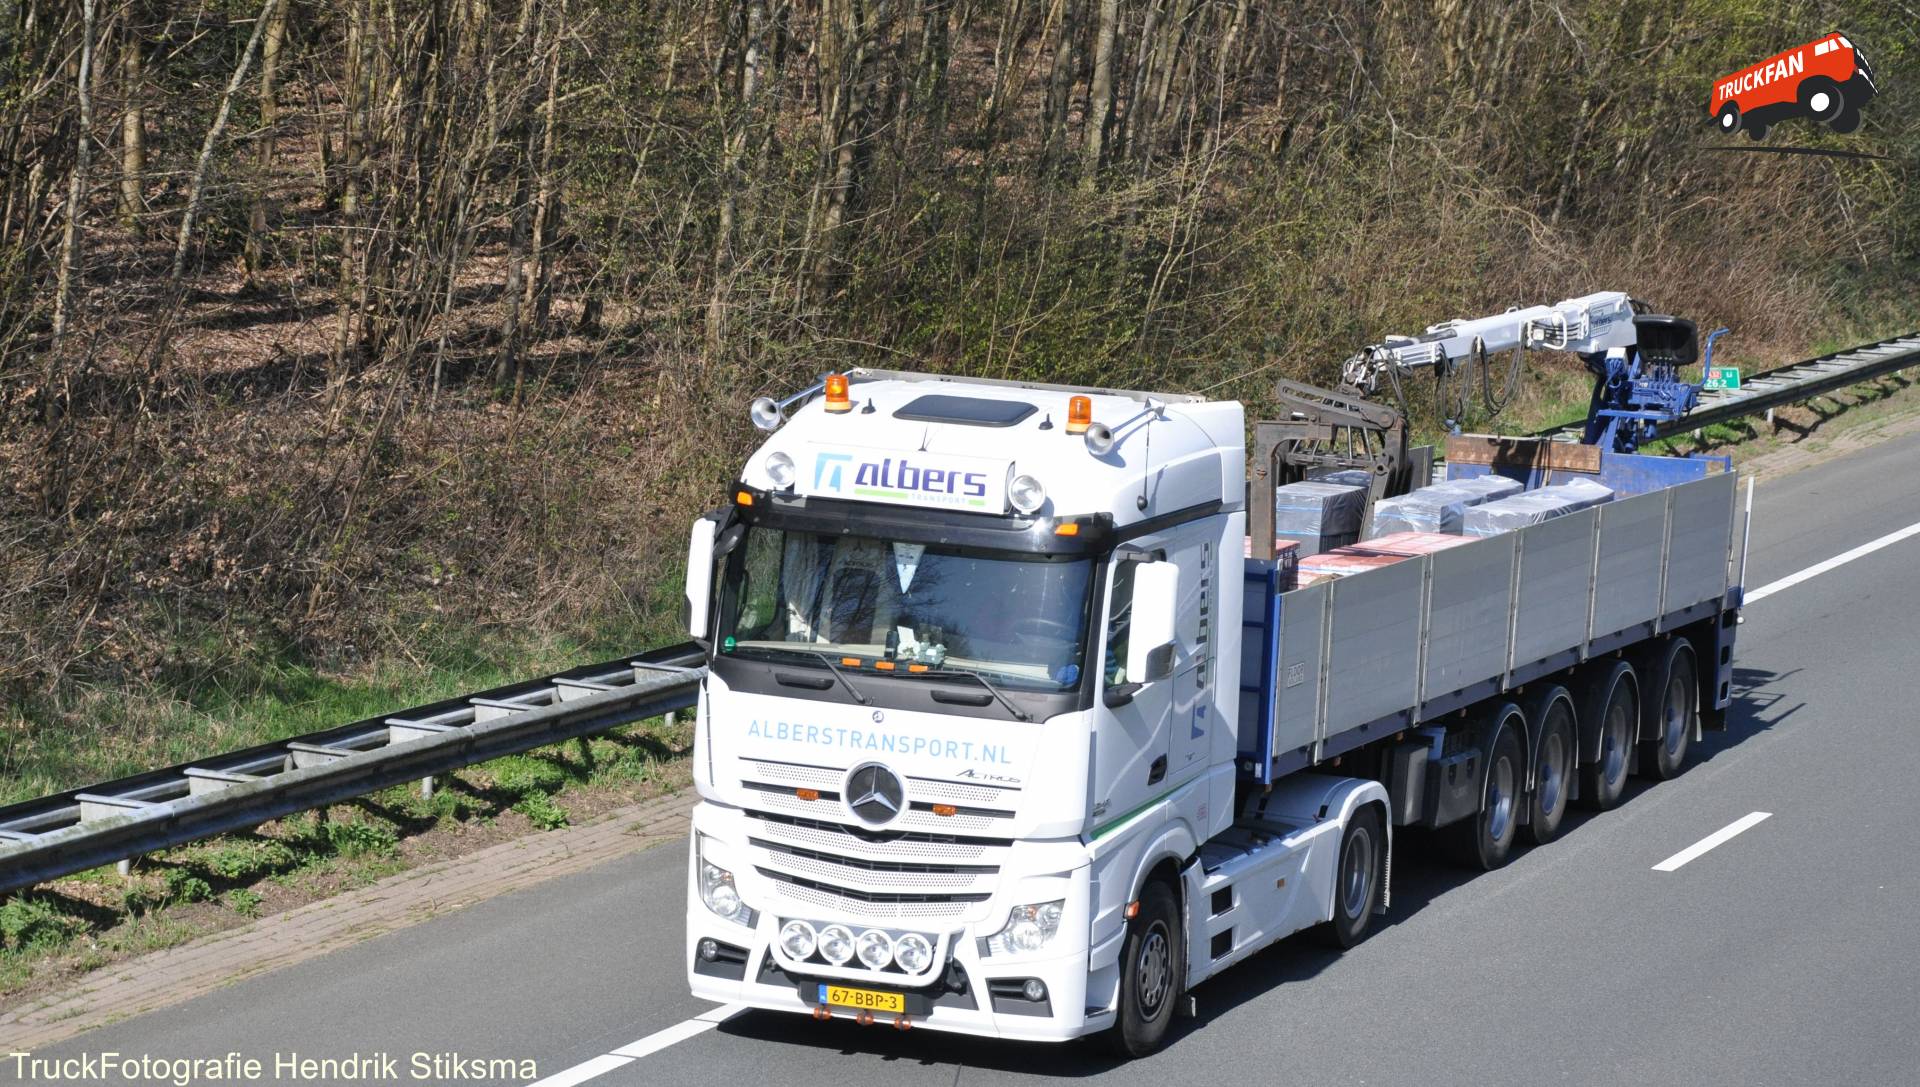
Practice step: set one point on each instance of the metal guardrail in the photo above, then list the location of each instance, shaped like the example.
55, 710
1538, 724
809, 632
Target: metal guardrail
1786, 385
84, 828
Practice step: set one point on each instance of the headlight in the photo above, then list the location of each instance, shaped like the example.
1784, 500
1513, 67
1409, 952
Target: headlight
1028, 929
913, 952
836, 944
719, 893
875, 948
1026, 494
798, 939
780, 469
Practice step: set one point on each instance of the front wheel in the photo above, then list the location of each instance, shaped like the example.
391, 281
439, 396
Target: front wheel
1357, 884
1153, 971
1822, 98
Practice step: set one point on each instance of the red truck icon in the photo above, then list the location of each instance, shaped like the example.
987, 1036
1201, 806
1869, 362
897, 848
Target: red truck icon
1827, 79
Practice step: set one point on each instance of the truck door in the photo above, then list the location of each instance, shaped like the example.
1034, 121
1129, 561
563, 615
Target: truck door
1131, 738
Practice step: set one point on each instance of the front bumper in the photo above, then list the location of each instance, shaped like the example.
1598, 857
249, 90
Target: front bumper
960, 995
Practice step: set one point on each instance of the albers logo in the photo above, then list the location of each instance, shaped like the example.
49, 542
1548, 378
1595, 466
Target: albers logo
951, 482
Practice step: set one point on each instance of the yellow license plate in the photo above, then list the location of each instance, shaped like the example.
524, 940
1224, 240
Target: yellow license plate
864, 999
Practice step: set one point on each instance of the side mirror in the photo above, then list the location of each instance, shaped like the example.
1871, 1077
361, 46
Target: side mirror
700, 549
1156, 605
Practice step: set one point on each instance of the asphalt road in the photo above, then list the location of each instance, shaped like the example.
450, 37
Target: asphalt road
1788, 954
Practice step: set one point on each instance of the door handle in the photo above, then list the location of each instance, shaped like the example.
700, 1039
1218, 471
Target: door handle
1157, 771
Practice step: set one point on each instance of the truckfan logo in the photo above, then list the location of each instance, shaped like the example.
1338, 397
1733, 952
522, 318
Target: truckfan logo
1827, 79
875, 794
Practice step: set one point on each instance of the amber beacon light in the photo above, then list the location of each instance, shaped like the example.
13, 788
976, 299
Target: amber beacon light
1079, 414
837, 398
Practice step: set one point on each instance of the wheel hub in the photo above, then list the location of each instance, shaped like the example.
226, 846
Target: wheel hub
1154, 969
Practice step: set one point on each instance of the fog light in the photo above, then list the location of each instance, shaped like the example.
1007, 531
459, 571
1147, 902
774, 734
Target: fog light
876, 949
709, 949
836, 944
1034, 990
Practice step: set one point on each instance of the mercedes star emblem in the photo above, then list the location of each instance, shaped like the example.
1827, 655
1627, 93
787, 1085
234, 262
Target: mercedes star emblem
875, 794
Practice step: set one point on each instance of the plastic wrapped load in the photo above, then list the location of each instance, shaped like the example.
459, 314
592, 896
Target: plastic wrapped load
1533, 507
1411, 543
1318, 516
1489, 487
1345, 477
1440, 507
1341, 562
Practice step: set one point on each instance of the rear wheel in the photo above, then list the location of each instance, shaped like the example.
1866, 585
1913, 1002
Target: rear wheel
1153, 970
1357, 886
1847, 120
1728, 118
1757, 130
1611, 709
1552, 765
1485, 840
1673, 714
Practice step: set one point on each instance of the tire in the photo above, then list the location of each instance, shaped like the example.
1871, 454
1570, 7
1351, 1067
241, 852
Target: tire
1153, 971
1672, 714
1847, 121
1485, 839
1757, 130
1358, 881
1728, 118
1610, 714
1822, 98
1555, 751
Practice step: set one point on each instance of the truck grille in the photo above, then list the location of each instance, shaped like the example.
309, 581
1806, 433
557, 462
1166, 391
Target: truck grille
888, 875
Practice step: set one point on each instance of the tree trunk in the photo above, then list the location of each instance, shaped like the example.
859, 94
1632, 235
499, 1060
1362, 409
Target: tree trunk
1100, 91
76, 201
133, 134
269, 117
219, 126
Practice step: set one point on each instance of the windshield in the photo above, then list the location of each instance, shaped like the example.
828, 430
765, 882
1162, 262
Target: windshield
906, 608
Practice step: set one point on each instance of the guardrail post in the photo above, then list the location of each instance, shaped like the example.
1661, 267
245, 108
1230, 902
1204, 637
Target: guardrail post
426, 787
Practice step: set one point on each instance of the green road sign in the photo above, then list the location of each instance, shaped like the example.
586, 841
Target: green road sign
1723, 377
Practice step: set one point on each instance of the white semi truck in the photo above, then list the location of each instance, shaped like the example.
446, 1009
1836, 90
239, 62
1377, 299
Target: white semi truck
1011, 730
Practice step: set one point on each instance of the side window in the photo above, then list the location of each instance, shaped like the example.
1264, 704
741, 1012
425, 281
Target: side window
1119, 622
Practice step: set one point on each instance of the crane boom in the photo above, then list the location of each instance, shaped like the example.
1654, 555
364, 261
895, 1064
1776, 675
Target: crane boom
1592, 324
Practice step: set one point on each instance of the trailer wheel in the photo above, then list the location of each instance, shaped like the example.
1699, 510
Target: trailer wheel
1553, 762
1672, 714
1357, 882
1153, 972
1822, 98
1609, 714
1485, 840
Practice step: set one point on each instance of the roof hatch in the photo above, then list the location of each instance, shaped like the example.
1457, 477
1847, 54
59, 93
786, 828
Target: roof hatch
965, 410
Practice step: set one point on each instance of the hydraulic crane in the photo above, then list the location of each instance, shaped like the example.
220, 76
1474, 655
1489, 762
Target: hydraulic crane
1636, 357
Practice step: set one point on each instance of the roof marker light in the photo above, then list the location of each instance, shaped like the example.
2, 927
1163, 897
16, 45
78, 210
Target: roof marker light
1079, 414
837, 398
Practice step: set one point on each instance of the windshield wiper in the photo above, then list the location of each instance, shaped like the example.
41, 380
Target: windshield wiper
841, 676
1018, 713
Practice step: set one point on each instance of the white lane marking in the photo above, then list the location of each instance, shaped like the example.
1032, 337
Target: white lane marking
1841, 559
585, 1070
644, 1047
674, 1035
1717, 838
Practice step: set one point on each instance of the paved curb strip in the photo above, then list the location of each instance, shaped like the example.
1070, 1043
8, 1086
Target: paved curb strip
178, 974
